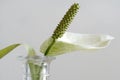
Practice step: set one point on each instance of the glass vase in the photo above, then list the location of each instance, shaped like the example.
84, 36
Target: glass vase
37, 67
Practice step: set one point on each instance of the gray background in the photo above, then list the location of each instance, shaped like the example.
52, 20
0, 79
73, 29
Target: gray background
33, 21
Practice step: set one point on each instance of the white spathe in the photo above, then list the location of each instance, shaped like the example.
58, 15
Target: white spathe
73, 42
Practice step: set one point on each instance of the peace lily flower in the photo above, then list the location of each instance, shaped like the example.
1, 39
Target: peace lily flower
62, 42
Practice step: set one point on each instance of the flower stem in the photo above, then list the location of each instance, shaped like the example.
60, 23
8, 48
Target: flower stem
50, 46
35, 71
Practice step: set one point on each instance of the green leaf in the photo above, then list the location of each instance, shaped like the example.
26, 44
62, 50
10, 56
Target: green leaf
8, 49
70, 42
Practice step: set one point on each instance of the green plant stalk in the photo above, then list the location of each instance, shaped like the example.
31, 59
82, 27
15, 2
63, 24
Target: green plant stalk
49, 47
35, 71
34, 68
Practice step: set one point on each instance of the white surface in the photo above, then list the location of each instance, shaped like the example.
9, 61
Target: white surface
33, 21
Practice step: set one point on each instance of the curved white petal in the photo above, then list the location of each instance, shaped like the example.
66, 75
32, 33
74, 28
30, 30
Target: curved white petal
72, 42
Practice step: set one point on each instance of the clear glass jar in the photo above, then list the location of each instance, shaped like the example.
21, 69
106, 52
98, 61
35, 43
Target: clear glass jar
37, 67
